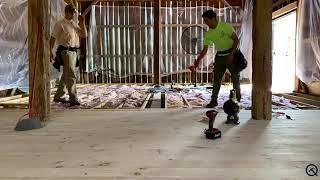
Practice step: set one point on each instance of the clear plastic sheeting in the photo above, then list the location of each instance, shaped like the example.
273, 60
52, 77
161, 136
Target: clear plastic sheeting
13, 44
14, 66
245, 36
308, 41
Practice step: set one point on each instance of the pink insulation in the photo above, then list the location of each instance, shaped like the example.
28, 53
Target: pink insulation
112, 97
133, 96
175, 100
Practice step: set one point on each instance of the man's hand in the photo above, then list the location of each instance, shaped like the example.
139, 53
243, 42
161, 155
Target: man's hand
194, 66
81, 19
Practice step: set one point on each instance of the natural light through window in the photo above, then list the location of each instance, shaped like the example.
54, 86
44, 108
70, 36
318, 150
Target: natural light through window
283, 52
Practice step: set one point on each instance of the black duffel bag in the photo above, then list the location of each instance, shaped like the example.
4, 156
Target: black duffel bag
239, 60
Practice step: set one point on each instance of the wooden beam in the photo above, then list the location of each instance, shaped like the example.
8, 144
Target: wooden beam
74, 3
289, 8
89, 8
163, 100
157, 40
279, 2
145, 102
211, 2
114, 0
137, 26
262, 60
38, 39
302, 99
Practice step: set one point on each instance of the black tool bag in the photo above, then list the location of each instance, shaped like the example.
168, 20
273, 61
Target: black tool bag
58, 61
239, 61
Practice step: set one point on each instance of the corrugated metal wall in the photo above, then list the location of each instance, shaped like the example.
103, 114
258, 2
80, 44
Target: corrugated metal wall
120, 43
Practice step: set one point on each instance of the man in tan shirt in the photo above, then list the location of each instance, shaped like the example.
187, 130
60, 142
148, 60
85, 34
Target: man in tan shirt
66, 33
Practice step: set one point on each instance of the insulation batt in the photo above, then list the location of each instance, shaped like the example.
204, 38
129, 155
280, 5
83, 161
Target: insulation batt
133, 96
112, 96
174, 100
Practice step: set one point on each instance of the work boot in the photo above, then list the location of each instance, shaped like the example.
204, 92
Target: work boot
61, 100
212, 104
74, 103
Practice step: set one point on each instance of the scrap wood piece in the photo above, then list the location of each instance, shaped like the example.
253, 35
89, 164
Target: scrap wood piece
16, 101
120, 105
99, 106
302, 104
10, 98
15, 105
186, 101
279, 104
277, 114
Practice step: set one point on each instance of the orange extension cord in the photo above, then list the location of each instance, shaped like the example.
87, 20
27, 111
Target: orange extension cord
30, 113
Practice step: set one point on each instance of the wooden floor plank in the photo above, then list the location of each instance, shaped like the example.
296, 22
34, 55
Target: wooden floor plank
158, 144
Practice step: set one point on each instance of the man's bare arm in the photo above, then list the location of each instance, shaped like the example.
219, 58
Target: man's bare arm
82, 30
201, 56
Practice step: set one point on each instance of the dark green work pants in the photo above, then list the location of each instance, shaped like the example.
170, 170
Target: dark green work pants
218, 72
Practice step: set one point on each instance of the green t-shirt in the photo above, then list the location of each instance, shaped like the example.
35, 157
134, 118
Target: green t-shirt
220, 36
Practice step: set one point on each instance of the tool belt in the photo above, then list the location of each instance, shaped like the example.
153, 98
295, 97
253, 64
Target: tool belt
239, 61
58, 61
224, 53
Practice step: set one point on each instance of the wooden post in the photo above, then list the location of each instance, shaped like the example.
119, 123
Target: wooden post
157, 41
262, 60
38, 45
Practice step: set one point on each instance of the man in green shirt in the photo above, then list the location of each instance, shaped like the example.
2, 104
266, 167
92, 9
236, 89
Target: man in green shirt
225, 40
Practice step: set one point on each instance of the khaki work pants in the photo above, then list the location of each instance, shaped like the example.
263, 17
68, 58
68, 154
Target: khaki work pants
68, 79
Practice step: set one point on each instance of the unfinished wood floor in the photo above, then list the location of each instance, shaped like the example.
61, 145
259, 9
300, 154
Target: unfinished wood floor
158, 144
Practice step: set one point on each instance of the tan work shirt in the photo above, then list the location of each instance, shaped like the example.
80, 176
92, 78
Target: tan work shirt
66, 32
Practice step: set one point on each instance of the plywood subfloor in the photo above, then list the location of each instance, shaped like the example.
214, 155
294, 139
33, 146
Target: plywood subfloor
158, 144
